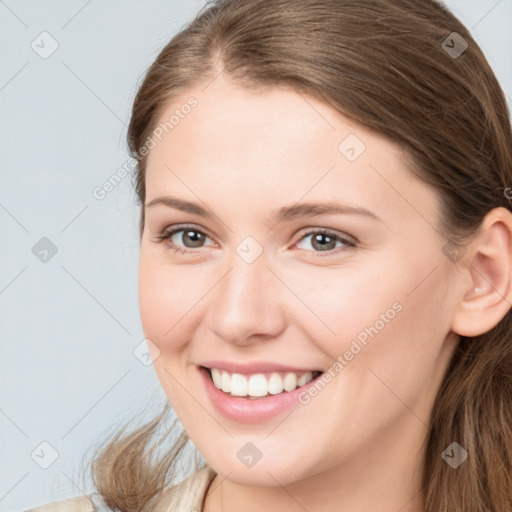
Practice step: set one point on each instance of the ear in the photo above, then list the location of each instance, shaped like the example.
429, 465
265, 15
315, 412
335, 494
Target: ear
486, 295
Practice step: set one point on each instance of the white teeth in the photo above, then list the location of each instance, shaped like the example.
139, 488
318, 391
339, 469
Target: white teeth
257, 385
290, 382
275, 384
217, 379
238, 385
225, 383
303, 379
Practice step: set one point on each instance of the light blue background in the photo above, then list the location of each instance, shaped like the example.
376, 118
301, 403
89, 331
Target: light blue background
69, 326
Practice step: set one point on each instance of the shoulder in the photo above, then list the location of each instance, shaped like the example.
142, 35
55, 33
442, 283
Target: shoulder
77, 504
189, 493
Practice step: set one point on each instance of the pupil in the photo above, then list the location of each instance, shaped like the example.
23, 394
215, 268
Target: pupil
197, 237
323, 246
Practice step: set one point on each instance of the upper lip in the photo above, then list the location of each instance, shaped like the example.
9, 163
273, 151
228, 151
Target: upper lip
251, 368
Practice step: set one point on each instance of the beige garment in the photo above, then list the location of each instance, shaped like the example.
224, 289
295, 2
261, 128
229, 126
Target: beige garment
186, 496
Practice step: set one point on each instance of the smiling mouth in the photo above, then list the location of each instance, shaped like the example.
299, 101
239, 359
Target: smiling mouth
259, 385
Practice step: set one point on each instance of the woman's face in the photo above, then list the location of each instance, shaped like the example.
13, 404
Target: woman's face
366, 298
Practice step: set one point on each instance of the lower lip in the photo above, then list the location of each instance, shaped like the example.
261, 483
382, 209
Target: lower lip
245, 410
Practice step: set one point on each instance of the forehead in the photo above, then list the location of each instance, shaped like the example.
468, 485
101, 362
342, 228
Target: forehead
277, 145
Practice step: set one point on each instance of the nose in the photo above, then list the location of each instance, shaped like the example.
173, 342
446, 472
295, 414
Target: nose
246, 304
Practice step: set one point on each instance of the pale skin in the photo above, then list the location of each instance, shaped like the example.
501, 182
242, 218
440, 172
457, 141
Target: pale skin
357, 446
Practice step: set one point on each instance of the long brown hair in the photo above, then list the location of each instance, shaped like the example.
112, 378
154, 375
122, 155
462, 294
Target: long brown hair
396, 67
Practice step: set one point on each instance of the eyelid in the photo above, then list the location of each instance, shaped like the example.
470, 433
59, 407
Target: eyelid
349, 242
172, 230
331, 232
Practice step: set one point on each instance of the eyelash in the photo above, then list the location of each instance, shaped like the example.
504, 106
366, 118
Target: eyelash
167, 234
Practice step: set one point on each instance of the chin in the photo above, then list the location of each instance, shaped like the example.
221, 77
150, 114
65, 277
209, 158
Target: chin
261, 474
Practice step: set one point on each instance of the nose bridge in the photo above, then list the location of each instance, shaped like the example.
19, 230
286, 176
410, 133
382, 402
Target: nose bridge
246, 299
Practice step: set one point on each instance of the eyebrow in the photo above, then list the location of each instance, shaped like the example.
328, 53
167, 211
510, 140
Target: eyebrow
286, 213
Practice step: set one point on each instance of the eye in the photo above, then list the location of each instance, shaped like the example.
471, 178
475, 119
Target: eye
190, 235
325, 241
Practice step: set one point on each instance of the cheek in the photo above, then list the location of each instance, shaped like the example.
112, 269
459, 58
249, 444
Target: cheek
353, 302
162, 301
172, 301
165, 303
405, 345
389, 315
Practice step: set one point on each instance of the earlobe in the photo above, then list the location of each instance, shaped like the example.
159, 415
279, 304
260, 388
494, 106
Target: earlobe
488, 261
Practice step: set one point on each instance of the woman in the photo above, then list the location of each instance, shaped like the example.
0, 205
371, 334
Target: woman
325, 265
